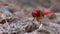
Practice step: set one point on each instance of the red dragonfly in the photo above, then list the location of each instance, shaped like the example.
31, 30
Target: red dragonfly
38, 14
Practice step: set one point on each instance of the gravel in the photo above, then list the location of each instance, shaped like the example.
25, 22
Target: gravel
17, 17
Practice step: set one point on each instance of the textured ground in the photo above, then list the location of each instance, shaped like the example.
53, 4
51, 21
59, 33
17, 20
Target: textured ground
17, 17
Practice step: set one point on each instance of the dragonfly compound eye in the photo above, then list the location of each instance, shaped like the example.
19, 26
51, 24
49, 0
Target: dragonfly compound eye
33, 14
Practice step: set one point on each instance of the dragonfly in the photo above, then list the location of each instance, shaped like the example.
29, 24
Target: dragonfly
39, 15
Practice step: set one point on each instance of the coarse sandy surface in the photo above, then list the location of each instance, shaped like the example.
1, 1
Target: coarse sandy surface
15, 17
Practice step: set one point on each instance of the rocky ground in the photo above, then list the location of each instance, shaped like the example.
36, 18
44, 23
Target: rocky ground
15, 17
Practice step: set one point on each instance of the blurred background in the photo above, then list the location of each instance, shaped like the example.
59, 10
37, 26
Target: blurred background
17, 17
